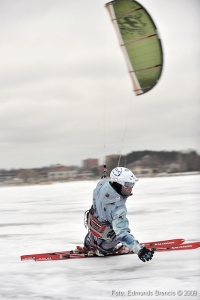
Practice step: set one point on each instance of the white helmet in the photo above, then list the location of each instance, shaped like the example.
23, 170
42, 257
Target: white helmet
123, 176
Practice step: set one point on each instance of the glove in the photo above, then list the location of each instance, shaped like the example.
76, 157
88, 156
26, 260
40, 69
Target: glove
145, 254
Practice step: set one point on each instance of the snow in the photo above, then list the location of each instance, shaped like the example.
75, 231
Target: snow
35, 219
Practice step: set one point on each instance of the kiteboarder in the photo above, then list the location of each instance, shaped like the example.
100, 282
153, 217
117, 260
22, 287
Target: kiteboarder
108, 226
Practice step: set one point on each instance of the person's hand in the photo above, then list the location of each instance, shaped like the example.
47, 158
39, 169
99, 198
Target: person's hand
145, 254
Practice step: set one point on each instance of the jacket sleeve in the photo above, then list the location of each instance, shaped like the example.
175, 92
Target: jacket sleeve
120, 225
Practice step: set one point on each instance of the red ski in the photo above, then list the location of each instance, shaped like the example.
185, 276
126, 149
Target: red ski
164, 243
186, 246
56, 255
82, 253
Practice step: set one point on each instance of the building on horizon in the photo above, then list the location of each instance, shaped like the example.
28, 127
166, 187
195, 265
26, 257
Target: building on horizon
90, 163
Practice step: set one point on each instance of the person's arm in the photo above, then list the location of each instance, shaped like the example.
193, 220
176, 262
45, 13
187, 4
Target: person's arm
122, 230
120, 225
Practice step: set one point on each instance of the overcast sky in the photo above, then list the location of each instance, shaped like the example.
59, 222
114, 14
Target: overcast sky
66, 95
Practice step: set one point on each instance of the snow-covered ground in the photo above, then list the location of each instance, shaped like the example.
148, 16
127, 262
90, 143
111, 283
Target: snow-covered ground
35, 219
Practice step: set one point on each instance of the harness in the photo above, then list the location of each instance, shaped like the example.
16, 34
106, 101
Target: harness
102, 231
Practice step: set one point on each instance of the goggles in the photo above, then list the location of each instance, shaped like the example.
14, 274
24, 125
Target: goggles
128, 185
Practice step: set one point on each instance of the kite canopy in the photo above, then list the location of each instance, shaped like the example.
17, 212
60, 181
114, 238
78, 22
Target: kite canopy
140, 43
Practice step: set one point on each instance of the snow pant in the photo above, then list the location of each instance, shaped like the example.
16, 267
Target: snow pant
106, 246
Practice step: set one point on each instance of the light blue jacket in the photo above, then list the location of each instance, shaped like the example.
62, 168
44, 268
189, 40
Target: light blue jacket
110, 206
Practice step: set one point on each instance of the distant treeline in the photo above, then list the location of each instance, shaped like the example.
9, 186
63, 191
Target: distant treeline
187, 161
